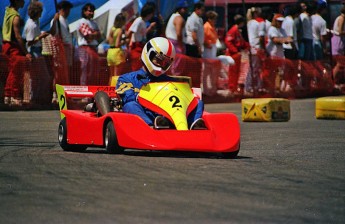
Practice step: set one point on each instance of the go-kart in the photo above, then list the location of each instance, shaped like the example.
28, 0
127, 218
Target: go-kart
102, 123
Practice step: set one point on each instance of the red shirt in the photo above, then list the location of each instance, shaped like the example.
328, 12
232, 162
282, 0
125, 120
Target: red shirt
234, 40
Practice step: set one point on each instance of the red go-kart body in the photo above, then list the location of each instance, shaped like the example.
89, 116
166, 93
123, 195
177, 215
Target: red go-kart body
117, 131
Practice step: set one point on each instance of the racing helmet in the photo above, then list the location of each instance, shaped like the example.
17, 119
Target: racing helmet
158, 55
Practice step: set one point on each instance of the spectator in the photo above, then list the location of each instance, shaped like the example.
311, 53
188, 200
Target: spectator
14, 48
137, 34
175, 29
176, 33
267, 15
115, 54
319, 33
257, 49
195, 31
338, 42
88, 35
157, 57
291, 49
59, 28
235, 43
64, 9
277, 37
159, 29
40, 78
32, 32
306, 51
210, 35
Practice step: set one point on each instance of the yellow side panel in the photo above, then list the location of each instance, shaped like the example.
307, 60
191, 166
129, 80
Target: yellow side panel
62, 98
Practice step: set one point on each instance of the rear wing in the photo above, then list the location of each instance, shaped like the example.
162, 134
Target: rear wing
70, 94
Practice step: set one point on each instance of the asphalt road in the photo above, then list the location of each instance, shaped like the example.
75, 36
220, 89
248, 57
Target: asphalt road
286, 172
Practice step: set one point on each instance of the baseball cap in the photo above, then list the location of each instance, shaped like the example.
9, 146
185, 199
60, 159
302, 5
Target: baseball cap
278, 17
182, 4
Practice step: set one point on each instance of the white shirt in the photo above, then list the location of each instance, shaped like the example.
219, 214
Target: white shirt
30, 31
195, 23
275, 50
81, 39
306, 26
319, 27
65, 34
290, 29
138, 28
254, 35
170, 31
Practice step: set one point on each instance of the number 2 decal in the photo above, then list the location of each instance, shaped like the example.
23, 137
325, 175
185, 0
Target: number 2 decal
63, 100
175, 101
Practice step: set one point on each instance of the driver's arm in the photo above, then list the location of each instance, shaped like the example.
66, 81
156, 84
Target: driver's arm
126, 90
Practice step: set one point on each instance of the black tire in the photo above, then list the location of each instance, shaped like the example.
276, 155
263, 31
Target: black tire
110, 140
102, 102
62, 138
231, 155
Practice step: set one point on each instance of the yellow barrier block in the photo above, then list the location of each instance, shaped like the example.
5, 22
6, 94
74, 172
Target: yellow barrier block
265, 109
330, 107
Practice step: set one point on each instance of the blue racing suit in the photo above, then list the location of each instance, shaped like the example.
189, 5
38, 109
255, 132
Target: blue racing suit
128, 86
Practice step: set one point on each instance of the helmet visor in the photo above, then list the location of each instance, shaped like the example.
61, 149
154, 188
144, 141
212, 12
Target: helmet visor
161, 61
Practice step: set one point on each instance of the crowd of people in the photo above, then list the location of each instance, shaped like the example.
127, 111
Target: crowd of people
298, 32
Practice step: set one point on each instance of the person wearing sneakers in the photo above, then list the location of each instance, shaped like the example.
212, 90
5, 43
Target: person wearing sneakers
157, 57
14, 48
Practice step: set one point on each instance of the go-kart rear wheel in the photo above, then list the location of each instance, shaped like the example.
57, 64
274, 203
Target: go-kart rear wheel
110, 139
62, 137
102, 102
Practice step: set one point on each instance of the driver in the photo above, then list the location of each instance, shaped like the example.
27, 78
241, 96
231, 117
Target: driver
157, 57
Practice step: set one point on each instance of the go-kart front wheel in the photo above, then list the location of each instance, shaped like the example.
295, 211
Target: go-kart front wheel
62, 137
110, 139
231, 155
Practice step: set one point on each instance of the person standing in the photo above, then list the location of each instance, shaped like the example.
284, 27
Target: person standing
159, 29
338, 38
319, 33
195, 31
137, 34
276, 38
306, 51
211, 35
14, 48
175, 29
338, 42
291, 49
88, 35
32, 32
64, 9
175, 32
235, 43
59, 28
40, 77
115, 54
256, 38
